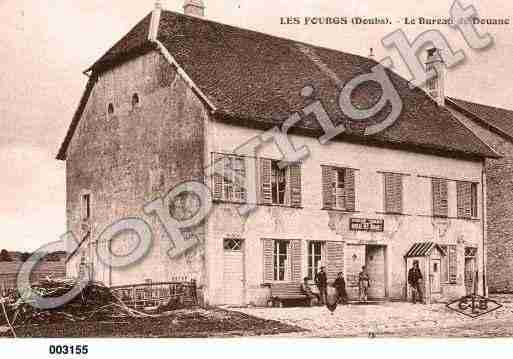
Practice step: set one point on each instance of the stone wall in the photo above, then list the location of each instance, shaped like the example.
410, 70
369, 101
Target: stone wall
130, 157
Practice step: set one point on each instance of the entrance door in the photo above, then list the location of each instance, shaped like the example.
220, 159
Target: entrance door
469, 274
233, 272
435, 275
375, 263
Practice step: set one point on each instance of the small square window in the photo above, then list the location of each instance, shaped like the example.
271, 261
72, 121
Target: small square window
232, 244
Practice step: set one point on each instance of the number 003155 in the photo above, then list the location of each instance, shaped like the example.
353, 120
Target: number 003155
68, 349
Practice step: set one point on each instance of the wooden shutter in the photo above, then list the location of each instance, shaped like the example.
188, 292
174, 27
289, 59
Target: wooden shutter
453, 263
217, 178
350, 189
439, 189
295, 185
334, 259
265, 181
295, 260
393, 192
328, 198
268, 246
464, 199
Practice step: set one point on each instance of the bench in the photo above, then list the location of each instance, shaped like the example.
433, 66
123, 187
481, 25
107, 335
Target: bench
283, 292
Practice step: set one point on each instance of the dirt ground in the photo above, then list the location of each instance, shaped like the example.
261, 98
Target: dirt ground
191, 323
392, 319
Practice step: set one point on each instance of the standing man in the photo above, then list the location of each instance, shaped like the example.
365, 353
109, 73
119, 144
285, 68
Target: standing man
363, 284
415, 280
340, 285
322, 283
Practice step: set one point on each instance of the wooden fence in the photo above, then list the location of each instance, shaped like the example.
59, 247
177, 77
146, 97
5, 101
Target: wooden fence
178, 294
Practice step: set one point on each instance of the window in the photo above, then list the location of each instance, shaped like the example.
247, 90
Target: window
439, 192
135, 100
338, 188
393, 187
315, 256
86, 206
281, 260
466, 198
231, 244
278, 183
229, 178
280, 186
110, 109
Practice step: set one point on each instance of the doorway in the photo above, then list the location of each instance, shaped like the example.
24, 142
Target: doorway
375, 261
435, 275
233, 271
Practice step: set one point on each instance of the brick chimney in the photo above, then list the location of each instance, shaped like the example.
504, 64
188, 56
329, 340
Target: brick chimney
194, 8
435, 86
155, 20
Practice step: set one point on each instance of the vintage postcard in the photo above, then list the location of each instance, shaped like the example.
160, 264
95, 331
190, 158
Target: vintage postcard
263, 169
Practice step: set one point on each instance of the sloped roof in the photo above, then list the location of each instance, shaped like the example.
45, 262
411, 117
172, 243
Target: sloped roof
499, 120
422, 249
255, 79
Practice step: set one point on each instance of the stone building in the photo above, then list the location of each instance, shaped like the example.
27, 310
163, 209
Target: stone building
179, 93
495, 127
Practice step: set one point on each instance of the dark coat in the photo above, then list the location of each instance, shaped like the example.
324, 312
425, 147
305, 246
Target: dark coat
414, 275
321, 280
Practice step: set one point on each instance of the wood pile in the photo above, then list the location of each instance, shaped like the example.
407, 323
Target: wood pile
95, 302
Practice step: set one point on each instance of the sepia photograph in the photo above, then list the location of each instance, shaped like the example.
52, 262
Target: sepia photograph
262, 170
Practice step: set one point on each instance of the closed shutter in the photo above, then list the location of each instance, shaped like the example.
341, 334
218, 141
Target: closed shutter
295, 262
265, 181
334, 259
328, 198
393, 193
350, 189
439, 188
453, 263
268, 247
295, 185
464, 199
217, 177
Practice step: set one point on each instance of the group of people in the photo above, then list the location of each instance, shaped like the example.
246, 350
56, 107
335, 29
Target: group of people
321, 281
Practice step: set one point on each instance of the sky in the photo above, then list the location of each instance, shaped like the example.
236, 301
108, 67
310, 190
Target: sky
46, 44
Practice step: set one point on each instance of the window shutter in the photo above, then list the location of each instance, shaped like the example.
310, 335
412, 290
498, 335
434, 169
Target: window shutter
217, 177
295, 185
265, 181
268, 247
328, 198
295, 251
334, 259
453, 263
393, 193
464, 199
350, 189
439, 188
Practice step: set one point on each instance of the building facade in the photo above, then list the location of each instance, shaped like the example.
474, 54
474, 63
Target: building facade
179, 94
493, 126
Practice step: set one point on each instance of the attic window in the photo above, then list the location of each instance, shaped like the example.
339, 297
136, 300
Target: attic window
135, 100
110, 109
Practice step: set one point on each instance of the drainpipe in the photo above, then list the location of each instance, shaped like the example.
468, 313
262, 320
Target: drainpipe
484, 226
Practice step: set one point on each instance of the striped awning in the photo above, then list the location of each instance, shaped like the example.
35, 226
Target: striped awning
423, 249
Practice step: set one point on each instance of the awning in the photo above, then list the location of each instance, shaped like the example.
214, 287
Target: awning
423, 249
